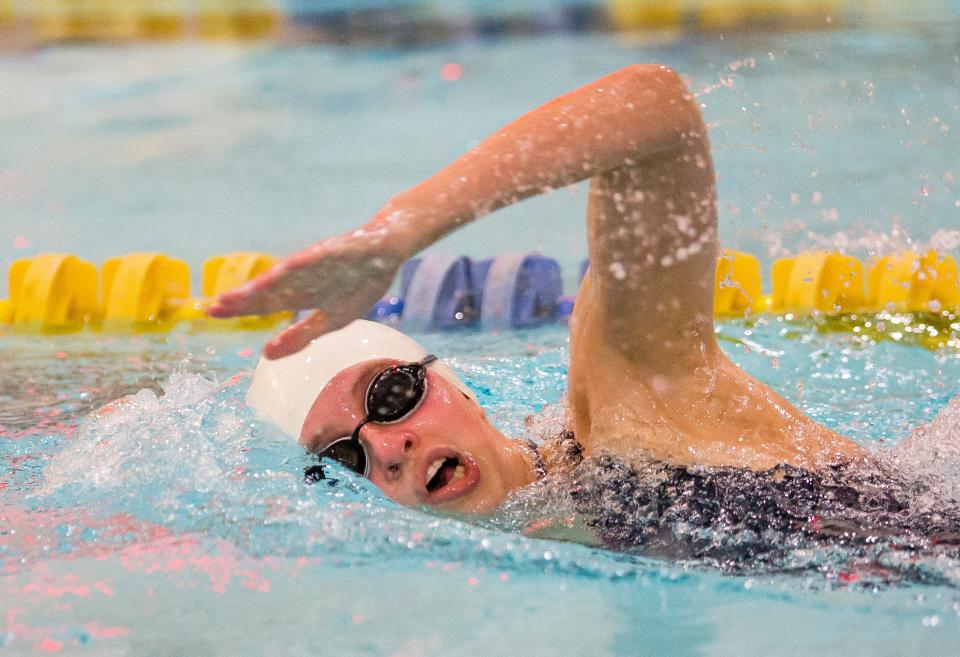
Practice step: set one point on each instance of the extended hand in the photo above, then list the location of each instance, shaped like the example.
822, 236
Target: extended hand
340, 277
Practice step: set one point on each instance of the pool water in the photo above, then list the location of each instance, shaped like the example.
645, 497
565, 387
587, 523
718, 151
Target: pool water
174, 523
841, 139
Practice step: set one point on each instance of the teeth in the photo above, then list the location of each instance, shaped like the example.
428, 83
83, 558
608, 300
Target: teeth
432, 470
460, 472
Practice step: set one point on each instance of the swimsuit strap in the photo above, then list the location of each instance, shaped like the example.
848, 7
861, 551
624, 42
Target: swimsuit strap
537, 459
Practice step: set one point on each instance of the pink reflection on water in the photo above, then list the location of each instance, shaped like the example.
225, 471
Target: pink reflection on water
55, 637
37, 581
44, 426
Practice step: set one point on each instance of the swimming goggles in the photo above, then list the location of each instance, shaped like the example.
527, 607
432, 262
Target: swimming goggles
393, 394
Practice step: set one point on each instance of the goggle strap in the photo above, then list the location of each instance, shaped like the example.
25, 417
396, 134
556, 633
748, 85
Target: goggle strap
355, 436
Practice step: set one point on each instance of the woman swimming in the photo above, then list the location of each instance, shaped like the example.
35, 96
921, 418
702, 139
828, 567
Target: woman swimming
648, 382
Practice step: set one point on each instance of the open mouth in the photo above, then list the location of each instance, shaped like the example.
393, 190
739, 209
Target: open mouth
449, 476
442, 471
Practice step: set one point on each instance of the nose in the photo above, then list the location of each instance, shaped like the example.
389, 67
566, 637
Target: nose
390, 448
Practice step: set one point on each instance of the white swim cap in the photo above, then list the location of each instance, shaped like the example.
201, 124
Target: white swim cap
283, 390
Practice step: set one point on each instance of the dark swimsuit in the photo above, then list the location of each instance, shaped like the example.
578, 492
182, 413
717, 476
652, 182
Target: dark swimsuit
741, 519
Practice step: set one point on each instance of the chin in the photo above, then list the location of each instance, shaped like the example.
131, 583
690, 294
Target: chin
478, 503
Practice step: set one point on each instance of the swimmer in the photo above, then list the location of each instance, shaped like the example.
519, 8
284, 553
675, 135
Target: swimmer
648, 382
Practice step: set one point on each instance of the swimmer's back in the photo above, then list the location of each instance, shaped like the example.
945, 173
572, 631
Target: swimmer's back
740, 519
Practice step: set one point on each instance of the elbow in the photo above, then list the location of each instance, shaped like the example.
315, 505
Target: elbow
652, 76
660, 80
665, 90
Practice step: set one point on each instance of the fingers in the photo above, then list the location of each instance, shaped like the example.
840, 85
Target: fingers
237, 304
297, 336
222, 309
256, 297
288, 285
243, 300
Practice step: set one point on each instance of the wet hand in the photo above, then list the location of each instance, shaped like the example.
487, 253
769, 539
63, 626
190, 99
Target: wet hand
341, 278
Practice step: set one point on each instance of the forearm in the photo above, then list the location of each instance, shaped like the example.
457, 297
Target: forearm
619, 120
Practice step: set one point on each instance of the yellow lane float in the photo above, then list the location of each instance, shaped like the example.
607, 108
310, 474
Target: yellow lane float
7, 15
738, 288
51, 292
54, 292
159, 24
634, 14
151, 291
125, 20
225, 272
229, 23
630, 15
908, 282
825, 282
143, 290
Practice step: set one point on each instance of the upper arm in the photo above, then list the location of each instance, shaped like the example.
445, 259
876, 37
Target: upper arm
652, 234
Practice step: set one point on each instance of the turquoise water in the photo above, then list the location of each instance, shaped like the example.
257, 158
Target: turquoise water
178, 525
844, 138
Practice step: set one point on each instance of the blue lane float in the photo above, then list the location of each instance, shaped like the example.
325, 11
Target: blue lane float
442, 292
438, 293
518, 290
565, 307
387, 310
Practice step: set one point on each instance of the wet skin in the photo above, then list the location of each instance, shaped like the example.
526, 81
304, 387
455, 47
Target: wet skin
647, 378
446, 428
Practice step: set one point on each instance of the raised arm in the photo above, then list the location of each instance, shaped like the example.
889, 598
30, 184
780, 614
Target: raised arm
633, 131
617, 121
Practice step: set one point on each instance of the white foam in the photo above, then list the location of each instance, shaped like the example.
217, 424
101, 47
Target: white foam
930, 456
184, 439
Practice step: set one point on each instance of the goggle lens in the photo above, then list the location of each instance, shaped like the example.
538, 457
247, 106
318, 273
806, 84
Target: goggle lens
393, 394
349, 453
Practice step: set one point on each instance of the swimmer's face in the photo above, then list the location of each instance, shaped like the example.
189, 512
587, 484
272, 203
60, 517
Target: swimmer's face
445, 454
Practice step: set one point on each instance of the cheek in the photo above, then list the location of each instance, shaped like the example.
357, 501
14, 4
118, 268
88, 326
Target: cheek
451, 412
318, 420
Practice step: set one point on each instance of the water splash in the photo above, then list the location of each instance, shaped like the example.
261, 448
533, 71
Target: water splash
192, 464
147, 437
931, 454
